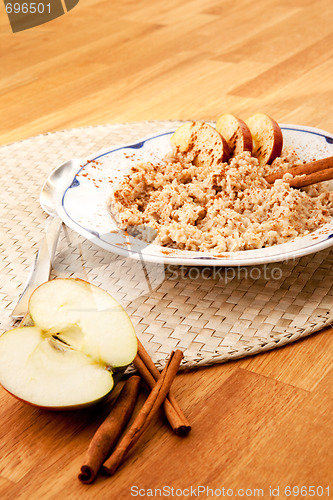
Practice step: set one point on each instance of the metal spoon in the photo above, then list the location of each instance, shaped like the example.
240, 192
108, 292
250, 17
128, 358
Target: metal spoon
59, 178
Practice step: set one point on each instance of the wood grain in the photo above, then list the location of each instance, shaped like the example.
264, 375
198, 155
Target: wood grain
258, 422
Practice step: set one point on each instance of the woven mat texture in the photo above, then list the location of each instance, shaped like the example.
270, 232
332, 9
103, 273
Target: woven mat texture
212, 314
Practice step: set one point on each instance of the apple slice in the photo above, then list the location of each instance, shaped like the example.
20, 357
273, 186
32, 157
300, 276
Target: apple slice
79, 345
267, 137
235, 132
209, 147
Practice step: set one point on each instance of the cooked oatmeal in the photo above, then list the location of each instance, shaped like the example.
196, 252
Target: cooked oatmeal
218, 208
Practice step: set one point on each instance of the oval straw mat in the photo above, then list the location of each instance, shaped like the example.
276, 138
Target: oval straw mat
212, 314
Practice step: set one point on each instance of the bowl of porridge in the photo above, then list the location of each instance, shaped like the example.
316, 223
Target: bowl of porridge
149, 200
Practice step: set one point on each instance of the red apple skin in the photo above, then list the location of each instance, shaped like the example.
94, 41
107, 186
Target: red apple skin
116, 378
267, 134
226, 151
236, 133
58, 408
277, 144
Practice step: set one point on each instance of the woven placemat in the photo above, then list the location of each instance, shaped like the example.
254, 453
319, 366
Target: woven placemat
212, 314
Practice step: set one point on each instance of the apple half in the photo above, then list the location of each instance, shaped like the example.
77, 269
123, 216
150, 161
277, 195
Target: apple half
78, 343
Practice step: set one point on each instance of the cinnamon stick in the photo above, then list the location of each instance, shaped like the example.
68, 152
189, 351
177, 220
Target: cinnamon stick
110, 430
307, 180
146, 414
148, 371
306, 174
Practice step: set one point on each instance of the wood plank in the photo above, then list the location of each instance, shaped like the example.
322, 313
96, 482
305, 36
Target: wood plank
288, 70
302, 364
271, 43
225, 419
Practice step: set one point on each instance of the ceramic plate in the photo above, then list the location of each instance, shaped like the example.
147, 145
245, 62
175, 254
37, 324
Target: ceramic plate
83, 204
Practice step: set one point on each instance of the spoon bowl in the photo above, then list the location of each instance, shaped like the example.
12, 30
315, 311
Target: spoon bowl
58, 179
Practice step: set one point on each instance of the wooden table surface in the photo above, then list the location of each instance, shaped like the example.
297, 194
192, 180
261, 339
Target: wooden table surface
260, 423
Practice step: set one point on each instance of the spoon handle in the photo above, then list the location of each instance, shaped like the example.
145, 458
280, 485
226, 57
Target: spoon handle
40, 271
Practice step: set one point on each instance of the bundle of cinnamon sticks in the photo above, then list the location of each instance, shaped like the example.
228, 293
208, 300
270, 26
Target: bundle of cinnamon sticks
306, 174
106, 450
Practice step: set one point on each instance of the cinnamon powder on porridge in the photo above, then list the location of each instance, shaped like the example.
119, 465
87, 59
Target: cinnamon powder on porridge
222, 207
